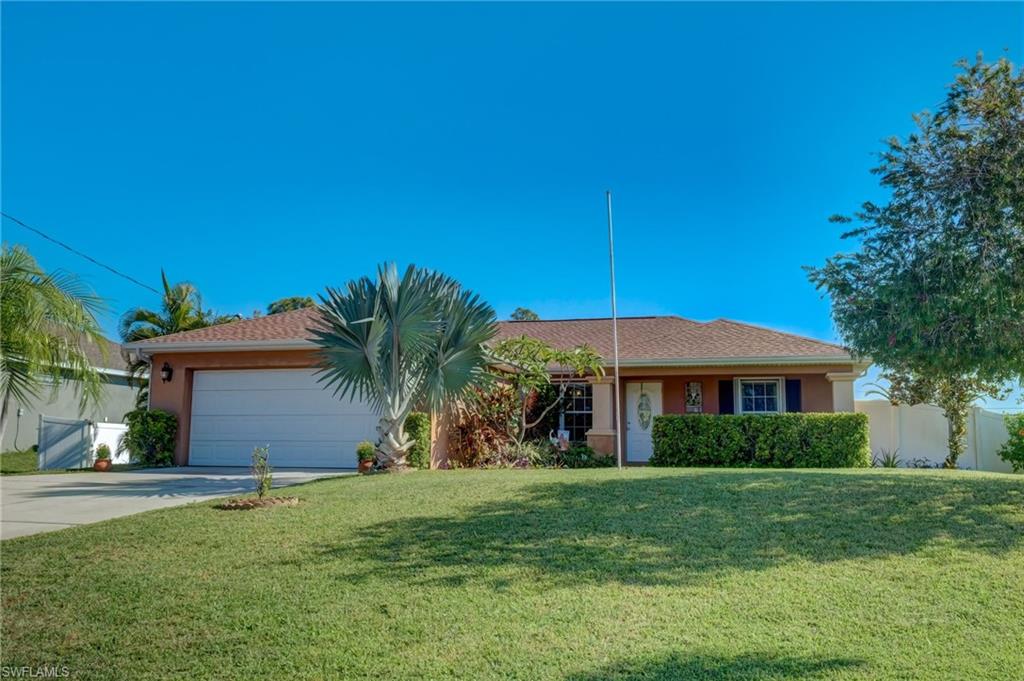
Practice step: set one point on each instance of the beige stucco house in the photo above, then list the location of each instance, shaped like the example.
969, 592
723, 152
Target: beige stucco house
252, 382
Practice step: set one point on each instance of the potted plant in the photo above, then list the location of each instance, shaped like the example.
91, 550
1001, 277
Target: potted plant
366, 453
102, 462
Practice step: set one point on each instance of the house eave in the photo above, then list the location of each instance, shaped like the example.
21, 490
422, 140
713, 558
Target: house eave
150, 349
792, 360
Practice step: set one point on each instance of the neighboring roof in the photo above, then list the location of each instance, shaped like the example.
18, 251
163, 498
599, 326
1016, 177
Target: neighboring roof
642, 340
114, 359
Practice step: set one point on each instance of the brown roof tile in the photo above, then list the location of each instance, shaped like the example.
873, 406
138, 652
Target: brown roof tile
640, 338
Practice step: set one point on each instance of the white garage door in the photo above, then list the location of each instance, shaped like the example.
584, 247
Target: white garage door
304, 424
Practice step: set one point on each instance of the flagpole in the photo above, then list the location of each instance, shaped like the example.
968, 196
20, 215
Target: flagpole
615, 335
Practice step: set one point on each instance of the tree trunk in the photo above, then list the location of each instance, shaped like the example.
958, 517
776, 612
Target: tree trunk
957, 418
5, 414
956, 400
394, 445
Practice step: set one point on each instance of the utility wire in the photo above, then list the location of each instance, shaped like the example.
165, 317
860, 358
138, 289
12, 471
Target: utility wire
79, 253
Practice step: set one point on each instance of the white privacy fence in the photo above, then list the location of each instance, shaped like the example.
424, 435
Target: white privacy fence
71, 443
110, 434
920, 432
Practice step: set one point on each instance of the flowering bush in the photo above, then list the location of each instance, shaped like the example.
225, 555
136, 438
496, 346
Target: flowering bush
1012, 450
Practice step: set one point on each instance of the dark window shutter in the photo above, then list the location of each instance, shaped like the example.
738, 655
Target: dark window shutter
793, 395
725, 405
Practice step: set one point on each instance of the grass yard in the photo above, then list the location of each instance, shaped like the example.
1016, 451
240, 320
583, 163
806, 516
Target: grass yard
19, 462
571, 575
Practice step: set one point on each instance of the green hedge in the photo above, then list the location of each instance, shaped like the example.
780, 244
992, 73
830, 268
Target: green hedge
417, 427
776, 441
150, 436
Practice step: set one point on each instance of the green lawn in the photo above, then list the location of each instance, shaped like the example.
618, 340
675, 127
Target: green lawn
572, 575
26, 462
18, 462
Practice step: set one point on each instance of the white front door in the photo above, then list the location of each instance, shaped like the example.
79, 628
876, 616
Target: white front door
643, 403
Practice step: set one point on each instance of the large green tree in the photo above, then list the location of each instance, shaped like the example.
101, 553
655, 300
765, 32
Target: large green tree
403, 342
935, 291
524, 314
45, 321
289, 304
181, 309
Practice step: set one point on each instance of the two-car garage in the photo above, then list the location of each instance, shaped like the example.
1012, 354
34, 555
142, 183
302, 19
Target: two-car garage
305, 425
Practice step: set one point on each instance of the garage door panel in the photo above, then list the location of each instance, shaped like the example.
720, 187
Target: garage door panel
259, 379
287, 401
304, 424
283, 454
282, 427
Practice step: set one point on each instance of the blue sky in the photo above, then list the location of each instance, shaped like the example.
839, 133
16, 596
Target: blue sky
266, 150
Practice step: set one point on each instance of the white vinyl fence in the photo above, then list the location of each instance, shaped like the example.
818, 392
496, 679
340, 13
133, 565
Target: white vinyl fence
71, 443
920, 433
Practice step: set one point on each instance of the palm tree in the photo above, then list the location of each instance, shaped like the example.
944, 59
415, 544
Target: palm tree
45, 319
181, 309
402, 343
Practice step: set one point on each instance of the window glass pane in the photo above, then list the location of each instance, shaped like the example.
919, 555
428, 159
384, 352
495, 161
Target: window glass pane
748, 404
747, 389
771, 404
771, 389
576, 415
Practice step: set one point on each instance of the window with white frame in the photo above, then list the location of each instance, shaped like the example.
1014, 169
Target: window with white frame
577, 414
759, 395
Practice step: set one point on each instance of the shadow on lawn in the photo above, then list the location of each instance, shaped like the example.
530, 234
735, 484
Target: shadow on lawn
738, 668
672, 529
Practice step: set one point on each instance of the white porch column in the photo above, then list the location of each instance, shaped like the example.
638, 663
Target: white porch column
601, 436
842, 389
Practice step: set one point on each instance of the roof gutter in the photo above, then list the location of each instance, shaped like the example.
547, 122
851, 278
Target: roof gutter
741, 361
145, 349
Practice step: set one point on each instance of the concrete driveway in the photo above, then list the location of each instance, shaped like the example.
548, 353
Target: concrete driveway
30, 504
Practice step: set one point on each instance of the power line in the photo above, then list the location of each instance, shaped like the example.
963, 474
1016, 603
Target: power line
79, 253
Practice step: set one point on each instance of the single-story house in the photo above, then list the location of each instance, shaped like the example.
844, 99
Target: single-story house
251, 382
118, 398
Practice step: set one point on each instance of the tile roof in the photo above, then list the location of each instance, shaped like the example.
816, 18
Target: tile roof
644, 339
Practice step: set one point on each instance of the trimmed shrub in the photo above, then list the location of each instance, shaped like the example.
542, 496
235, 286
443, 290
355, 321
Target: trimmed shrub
417, 427
150, 436
1012, 451
582, 456
762, 440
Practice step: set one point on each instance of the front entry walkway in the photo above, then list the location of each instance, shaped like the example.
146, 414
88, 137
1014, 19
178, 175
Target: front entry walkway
30, 504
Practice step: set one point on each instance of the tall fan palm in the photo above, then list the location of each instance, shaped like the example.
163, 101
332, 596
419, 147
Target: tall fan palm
402, 343
45, 321
181, 309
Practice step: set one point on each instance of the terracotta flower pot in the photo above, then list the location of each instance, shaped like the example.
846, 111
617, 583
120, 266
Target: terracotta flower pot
365, 466
101, 465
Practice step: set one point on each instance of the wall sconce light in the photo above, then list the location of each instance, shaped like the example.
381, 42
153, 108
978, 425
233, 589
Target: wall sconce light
166, 372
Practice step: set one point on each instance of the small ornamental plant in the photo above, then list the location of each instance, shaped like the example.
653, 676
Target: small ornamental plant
102, 452
366, 452
1012, 450
262, 474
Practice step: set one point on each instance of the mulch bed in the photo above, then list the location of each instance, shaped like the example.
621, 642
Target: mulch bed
248, 504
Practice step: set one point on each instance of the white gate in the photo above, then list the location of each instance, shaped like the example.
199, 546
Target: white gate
64, 443
71, 443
